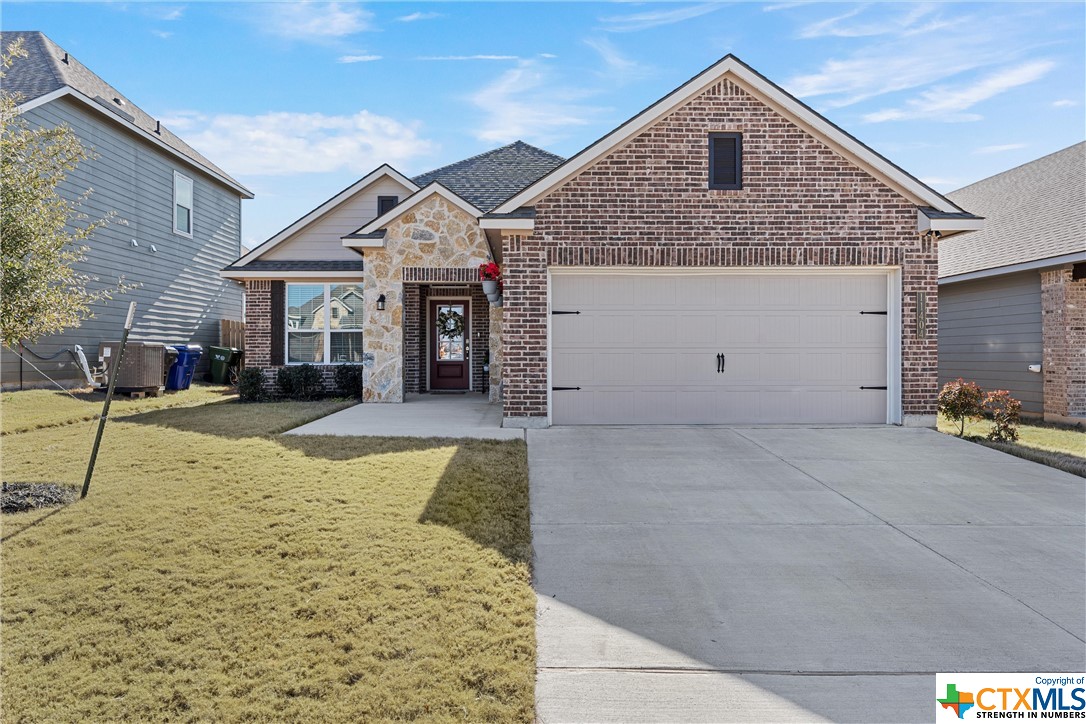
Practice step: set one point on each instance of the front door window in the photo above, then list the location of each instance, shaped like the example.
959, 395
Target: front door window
450, 332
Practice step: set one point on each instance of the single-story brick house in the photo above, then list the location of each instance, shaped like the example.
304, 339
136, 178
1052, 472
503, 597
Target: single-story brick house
1012, 297
727, 255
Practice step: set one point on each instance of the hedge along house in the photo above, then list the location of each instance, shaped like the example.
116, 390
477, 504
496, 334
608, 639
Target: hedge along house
725, 256
389, 257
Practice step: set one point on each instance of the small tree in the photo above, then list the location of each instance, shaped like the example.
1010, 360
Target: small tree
1005, 412
40, 231
960, 401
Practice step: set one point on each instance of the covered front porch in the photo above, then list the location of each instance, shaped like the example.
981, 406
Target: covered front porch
451, 415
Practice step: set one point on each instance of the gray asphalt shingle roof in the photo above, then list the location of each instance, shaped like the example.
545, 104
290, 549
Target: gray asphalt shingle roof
1035, 211
490, 178
44, 70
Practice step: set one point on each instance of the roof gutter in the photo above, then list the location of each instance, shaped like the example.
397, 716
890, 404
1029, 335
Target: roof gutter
1036, 264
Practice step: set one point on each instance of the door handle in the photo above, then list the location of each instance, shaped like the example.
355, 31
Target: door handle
720, 362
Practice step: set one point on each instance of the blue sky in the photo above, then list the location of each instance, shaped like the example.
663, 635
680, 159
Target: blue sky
298, 100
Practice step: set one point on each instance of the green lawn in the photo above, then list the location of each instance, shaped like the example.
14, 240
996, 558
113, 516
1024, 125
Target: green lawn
218, 571
1056, 445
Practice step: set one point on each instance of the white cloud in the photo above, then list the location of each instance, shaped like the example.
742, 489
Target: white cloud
1000, 148
358, 58
164, 34
468, 57
314, 21
413, 17
944, 103
859, 23
655, 18
617, 67
523, 103
285, 143
1064, 103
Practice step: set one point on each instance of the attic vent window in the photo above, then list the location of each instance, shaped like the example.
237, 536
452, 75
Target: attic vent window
726, 161
119, 101
385, 204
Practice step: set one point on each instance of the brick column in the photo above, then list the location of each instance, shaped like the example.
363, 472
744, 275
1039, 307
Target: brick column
258, 323
1063, 324
920, 347
524, 332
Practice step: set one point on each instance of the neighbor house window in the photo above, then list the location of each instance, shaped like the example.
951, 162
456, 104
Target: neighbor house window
385, 204
182, 204
324, 323
726, 161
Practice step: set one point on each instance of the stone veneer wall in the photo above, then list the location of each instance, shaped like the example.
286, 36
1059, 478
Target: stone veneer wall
647, 204
1063, 325
434, 235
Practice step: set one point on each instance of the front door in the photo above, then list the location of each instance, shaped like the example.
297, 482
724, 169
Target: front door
449, 353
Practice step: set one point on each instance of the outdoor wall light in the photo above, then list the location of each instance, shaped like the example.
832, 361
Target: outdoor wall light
381, 303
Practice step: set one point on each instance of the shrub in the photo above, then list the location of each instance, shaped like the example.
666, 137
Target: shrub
251, 385
349, 380
302, 382
960, 401
1004, 411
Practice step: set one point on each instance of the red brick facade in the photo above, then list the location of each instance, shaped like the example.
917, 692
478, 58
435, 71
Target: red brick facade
647, 204
1063, 323
258, 323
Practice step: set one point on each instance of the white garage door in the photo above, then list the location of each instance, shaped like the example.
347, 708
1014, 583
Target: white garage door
718, 348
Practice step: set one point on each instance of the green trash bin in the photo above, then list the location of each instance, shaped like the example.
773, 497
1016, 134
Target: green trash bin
223, 359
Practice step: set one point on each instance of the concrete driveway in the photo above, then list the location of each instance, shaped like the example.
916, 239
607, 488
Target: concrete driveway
770, 574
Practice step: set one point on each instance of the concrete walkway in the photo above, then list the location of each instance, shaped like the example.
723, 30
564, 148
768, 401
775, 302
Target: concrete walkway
709, 574
467, 415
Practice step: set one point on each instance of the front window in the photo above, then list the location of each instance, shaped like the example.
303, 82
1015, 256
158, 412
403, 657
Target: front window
182, 204
324, 323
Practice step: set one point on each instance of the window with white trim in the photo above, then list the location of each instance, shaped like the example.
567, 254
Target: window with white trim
182, 204
324, 323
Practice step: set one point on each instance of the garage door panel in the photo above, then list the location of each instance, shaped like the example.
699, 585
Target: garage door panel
822, 329
737, 292
644, 348
778, 329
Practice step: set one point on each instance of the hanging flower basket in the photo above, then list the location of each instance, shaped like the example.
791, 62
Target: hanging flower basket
491, 275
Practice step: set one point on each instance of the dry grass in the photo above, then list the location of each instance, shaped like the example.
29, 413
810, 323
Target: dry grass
1058, 446
35, 409
216, 572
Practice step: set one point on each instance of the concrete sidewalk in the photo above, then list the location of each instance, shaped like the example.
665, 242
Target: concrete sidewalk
468, 415
713, 574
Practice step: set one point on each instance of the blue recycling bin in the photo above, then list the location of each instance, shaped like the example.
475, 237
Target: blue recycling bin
180, 375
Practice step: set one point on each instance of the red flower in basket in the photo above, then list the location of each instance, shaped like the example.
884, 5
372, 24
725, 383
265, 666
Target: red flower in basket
489, 272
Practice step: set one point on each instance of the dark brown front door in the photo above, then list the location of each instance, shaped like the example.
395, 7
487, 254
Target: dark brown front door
449, 354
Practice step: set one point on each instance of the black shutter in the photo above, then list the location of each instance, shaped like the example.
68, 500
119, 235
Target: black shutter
385, 203
278, 323
725, 161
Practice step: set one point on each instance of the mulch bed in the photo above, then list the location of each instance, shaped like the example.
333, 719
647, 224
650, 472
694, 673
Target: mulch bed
21, 497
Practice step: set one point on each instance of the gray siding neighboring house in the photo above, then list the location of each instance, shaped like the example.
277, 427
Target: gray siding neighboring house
990, 333
180, 296
1011, 295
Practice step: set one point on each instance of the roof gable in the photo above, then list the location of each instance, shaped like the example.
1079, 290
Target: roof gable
382, 171
767, 92
49, 72
434, 187
1035, 211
